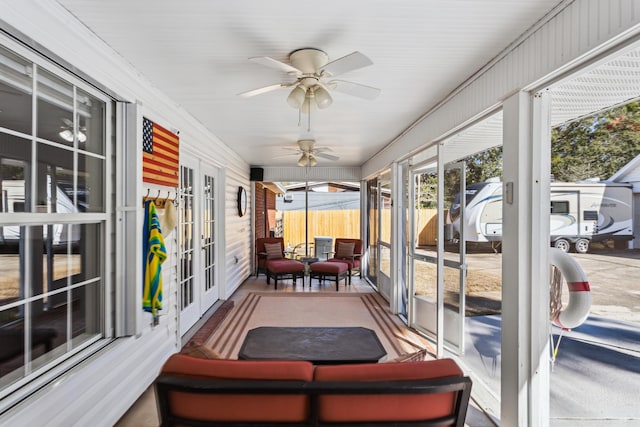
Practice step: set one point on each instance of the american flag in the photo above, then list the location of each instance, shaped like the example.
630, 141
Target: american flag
160, 155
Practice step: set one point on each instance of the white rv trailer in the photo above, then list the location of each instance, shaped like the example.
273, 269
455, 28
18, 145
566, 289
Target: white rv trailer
580, 213
13, 200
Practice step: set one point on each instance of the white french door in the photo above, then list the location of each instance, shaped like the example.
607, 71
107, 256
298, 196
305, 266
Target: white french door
209, 233
198, 284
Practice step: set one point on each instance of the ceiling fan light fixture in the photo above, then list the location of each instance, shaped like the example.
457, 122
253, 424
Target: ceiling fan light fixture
323, 98
67, 135
304, 159
297, 97
312, 161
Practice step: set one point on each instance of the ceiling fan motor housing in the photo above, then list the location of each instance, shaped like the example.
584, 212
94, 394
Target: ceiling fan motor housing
306, 145
308, 60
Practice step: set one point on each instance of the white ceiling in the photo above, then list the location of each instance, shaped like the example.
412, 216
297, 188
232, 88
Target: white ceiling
197, 52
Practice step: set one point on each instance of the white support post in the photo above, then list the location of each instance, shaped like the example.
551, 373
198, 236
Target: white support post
539, 412
524, 377
440, 252
397, 245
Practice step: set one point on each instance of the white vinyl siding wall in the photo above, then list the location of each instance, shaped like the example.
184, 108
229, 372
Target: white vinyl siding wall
98, 391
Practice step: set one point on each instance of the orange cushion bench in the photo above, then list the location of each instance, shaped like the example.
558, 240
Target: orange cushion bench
193, 391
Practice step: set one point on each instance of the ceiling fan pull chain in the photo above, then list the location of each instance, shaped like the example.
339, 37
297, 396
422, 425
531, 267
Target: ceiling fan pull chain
309, 125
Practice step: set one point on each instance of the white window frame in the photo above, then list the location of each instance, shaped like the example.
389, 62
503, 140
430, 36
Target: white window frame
18, 390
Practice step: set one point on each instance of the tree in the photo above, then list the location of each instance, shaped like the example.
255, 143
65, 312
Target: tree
596, 146
592, 147
484, 165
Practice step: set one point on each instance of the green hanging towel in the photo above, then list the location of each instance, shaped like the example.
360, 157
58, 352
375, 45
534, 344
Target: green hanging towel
155, 253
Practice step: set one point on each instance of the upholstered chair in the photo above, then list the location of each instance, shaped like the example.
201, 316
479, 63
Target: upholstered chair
271, 260
348, 251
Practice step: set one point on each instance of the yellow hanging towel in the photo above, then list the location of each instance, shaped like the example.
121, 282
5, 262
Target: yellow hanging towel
155, 253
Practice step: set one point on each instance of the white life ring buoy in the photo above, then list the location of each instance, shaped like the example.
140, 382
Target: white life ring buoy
577, 311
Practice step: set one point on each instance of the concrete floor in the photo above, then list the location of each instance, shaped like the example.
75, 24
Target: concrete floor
594, 380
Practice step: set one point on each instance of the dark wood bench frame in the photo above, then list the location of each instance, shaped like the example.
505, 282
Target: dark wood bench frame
166, 384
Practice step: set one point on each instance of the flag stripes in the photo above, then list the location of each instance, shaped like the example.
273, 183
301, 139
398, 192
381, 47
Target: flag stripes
160, 155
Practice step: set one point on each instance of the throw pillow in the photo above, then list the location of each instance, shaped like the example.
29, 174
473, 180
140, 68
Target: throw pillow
273, 250
417, 356
345, 250
196, 349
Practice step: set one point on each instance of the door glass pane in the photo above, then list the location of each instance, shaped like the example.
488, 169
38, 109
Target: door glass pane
384, 250
404, 207
373, 213
208, 232
187, 238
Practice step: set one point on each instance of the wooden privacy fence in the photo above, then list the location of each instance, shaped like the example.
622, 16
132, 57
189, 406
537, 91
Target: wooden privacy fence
334, 224
346, 223
427, 231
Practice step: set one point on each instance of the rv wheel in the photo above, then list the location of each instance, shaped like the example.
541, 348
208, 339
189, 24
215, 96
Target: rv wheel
582, 246
562, 244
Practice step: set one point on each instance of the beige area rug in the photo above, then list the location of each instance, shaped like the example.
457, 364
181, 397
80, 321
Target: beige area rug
287, 309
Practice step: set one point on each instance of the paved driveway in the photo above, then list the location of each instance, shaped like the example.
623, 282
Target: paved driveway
614, 276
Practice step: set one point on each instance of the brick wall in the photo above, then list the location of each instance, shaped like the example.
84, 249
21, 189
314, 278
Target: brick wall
259, 209
265, 211
271, 210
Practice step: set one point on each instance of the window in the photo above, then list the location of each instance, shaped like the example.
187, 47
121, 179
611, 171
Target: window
590, 215
559, 207
53, 218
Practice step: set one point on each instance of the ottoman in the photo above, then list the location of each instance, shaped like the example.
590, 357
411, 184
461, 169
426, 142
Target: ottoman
334, 271
284, 269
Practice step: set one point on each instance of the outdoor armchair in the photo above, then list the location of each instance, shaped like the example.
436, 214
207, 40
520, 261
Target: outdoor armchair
348, 251
261, 252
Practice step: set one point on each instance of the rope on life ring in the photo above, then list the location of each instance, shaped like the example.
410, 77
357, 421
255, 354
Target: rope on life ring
577, 310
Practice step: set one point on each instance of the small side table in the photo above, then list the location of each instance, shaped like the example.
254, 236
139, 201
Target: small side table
307, 261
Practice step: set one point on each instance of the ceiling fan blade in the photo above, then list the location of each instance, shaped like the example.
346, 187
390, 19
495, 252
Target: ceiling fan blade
347, 63
326, 156
272, 63
355, 89
281, 156
262, 90
322, 149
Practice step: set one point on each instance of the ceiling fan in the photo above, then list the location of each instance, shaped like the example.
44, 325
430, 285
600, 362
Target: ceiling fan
313, 74
67, 133
309, 153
